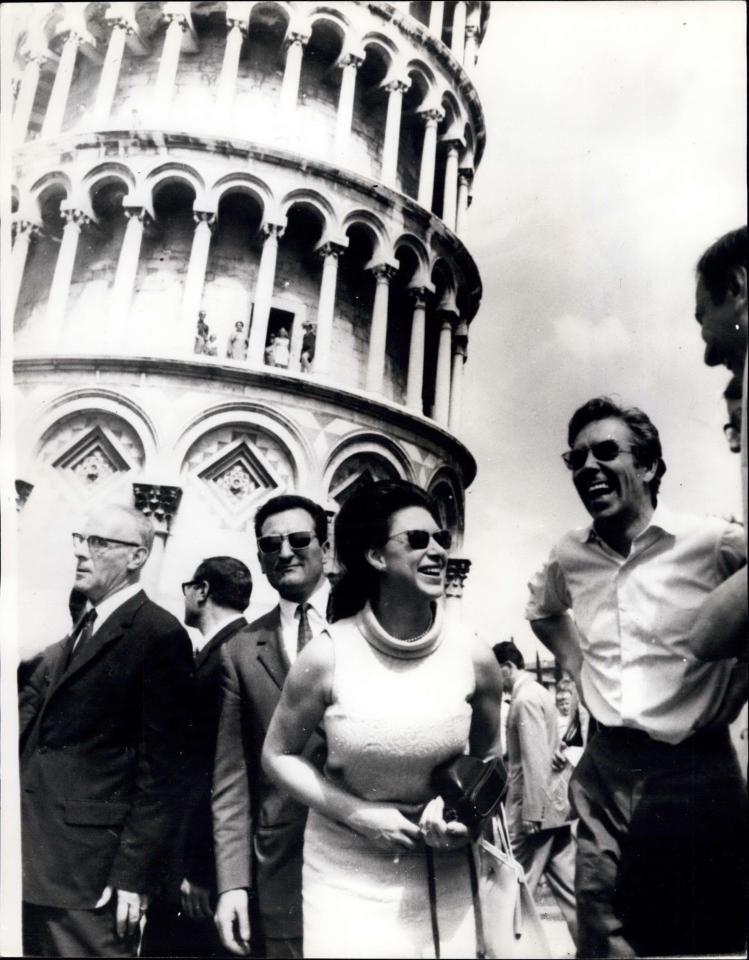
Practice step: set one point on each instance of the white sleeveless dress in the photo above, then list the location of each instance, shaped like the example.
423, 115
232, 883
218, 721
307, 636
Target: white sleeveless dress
399, 709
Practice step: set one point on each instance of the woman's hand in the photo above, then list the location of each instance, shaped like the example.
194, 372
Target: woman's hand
384, 826
440, 833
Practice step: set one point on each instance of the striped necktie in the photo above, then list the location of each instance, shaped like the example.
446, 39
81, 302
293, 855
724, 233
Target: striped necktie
304, 633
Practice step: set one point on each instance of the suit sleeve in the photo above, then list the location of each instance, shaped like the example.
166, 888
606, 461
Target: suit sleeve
33, 679
148, 831
535, 757
232, 817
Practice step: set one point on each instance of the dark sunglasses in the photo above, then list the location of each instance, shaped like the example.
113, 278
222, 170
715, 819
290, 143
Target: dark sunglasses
299, 540
604, 451
419, 539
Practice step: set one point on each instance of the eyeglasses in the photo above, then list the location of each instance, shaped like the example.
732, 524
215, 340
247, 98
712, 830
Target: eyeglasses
189, 583
299, 540
97, 545
419, 539
604, 451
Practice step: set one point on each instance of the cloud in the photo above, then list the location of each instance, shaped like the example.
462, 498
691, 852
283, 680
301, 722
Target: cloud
584, 338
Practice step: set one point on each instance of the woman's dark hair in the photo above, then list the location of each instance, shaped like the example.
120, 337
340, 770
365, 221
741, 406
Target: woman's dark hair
363, 522
647, 443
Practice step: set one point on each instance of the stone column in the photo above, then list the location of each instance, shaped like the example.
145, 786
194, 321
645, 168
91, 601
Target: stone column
227, 82
428, 155
460, 351
464, 186
26, 96
450, 193
415, 383
266, 278
395, 89
442, 382
127, 266
110, 71
168, 63
205, 221
58, 291
458, 39
349, 67
295, 44
384, 273
470, 55
436, 17
160, 503
326, 306
24, 232
55, 114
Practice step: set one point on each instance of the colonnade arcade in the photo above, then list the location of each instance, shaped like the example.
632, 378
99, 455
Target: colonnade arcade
124, 267
371, 100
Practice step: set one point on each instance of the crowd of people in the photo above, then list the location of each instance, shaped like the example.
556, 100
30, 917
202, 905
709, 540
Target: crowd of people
277, 350
270, 791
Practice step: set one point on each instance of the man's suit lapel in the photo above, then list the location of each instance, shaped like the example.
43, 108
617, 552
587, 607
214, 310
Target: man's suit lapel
270, 650
224, 634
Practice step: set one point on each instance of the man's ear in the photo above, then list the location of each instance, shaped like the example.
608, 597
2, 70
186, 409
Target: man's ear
138, 558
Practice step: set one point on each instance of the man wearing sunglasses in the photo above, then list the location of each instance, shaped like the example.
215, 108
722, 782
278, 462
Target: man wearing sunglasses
258, 830
101, 752
660, 867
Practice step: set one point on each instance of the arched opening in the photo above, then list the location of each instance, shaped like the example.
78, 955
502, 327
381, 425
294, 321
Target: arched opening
443, 285
193, 90
41, 259
231, 273
412, 134
354, 305
357, 470
400, 318
320, 87
449, 506
370, 108
446, 131
297, 285
164, 259
260, 73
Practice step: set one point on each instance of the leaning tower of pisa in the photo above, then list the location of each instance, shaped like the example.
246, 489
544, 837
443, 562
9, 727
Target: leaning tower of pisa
237, 266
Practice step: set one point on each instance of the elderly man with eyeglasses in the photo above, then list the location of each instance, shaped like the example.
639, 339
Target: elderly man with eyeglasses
103, 734
258, 829
660, 867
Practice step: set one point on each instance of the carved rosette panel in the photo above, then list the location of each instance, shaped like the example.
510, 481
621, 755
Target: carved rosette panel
236, 468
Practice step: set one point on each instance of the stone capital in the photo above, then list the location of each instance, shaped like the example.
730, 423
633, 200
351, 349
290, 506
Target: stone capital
157, 501
331, 248
419, 296
433, 116
22, 226
296, 36
172, 16
269, 229
398, 85
138, 212
204, 216
38, 56
233, 23
77, 216
471, 30
465, 175
453, 143
354, 60
457, 573
384, 272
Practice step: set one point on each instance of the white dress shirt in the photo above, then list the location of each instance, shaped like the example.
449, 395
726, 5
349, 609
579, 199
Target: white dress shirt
316, 614
108, 605
634, 615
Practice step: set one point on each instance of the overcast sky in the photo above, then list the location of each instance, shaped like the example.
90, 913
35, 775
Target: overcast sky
616, 139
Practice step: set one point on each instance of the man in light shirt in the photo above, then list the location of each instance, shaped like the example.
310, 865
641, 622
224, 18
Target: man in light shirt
662, 812
104, 730
258, 830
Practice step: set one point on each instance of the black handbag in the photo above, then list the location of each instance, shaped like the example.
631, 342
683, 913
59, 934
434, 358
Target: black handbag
472, 789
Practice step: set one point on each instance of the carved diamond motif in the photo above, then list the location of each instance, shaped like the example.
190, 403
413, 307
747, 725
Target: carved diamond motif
239, 478
93, 459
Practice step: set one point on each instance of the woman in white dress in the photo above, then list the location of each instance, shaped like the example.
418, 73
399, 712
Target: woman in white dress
397, 693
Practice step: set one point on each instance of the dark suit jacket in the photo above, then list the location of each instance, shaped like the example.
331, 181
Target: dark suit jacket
258, 829
102, 757
196, 854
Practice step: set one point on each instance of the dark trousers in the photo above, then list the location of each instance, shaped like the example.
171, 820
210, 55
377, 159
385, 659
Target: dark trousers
170, 933
55, 932
661, 846
550, 853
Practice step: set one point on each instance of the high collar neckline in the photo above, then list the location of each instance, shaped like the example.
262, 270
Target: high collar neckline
379, 638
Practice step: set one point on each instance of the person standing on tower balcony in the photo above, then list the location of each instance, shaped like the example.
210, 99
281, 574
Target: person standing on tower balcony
102, 747
236, 347
397, 692
258, 828
201, 334
660, 801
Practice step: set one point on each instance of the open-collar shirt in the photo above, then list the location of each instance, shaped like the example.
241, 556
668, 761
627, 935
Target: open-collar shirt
634, 616
316, 614
109, 604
